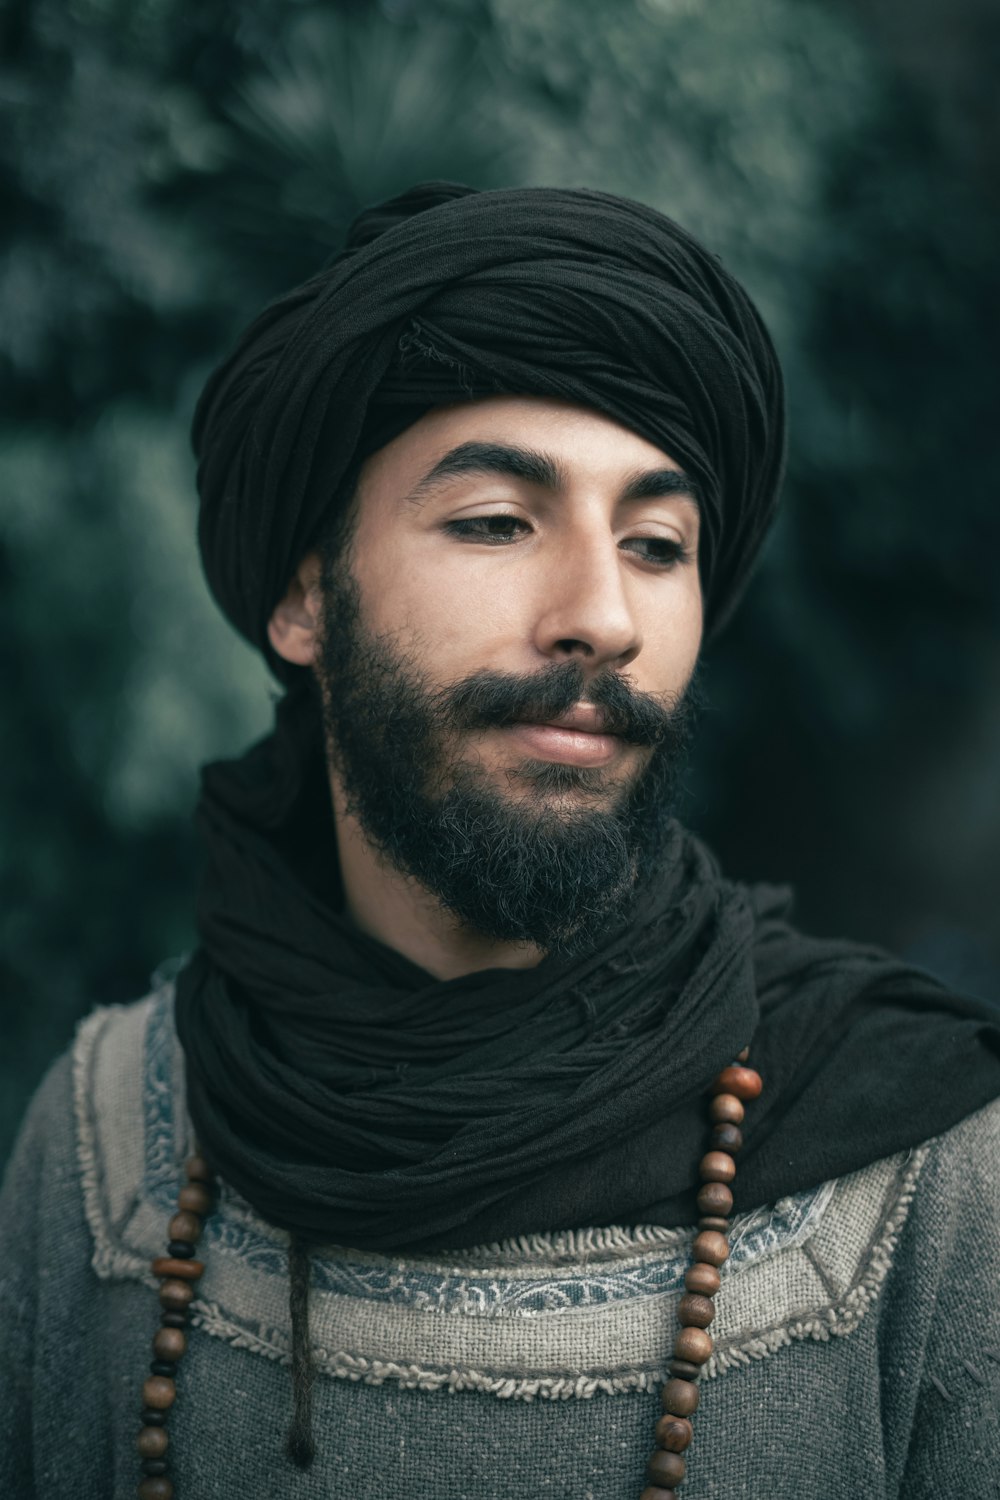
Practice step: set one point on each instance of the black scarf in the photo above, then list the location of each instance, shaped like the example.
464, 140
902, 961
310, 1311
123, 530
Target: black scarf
351, 1097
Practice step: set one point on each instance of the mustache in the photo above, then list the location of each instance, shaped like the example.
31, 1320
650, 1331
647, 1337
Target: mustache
491, 700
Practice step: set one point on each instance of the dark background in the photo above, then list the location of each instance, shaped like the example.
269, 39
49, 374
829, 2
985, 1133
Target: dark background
167, 167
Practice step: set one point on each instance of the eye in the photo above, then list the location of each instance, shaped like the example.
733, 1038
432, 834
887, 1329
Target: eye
496, 529
660, 551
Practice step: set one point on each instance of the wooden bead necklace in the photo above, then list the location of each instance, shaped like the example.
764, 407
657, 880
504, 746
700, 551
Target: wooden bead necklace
178, 1271
693, 1345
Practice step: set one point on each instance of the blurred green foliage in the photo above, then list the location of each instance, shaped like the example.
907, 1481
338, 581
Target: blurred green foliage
165, 169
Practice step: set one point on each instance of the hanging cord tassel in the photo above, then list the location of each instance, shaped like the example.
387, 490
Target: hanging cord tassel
300, 1445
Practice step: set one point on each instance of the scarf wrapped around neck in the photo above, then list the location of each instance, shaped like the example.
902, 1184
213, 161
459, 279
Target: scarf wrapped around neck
353, 1098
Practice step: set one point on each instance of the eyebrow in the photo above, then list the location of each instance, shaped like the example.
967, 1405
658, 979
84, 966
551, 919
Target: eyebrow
532, 467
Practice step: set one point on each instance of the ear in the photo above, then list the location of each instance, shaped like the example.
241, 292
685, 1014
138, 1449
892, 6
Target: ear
293, 627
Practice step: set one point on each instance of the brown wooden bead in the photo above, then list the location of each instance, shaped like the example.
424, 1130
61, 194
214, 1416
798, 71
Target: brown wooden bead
693, 1344
666, 1469
159, 1392
185, 1226
703, 1279
152, 1442
693, 1311
653, 1492
674, 1433
679, 1397
720, 1226
169, 1343
715, 1199
717, 1166
712, 1247
186, 1270
745, 1083
727, 1138
726, 1109
742, 1056
197, 1169
684, 1369
195, 1197
156, 1488
176, 1295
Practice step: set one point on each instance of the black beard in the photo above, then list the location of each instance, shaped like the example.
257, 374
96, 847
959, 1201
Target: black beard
512, 868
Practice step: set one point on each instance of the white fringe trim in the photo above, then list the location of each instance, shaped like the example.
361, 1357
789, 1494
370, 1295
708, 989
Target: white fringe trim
343, 1365
109, 1260
571, 1245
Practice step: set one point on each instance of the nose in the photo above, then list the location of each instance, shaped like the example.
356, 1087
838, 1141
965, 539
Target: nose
584, 608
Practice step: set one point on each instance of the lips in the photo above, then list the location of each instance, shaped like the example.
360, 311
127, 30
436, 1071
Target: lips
576, 738
586, 718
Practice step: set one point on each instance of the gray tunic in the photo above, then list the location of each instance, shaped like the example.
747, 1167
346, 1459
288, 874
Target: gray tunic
857, 1334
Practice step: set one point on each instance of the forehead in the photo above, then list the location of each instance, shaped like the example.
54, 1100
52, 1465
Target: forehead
588, 447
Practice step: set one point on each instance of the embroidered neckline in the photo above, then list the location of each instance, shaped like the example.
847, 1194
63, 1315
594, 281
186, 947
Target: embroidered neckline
365, 1302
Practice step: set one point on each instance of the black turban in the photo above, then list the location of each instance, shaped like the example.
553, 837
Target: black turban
570, 294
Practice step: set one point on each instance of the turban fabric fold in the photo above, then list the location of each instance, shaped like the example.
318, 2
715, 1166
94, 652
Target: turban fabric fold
570, 294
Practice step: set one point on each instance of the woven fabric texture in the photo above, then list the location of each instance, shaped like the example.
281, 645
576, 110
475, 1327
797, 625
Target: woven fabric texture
851, 1350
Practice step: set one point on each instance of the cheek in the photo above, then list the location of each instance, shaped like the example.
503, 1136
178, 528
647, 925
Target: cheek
434, 603
672, 636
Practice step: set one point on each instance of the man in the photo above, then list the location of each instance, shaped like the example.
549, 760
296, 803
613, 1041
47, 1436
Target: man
466, 1009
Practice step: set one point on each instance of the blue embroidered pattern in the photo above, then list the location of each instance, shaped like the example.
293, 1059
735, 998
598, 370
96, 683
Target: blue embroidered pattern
596, 1280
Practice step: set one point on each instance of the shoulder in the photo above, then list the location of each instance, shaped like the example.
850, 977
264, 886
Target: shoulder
41, 1170
967, 1157
74, 1174
47, 1125
952, 1238
87, 1111
867, 1233
954, 1218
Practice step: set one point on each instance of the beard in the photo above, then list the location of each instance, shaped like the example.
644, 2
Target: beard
543, 853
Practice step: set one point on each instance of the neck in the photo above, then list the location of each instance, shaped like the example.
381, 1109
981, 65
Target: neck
404, 915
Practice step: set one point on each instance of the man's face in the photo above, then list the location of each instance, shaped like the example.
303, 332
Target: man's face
506, 644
